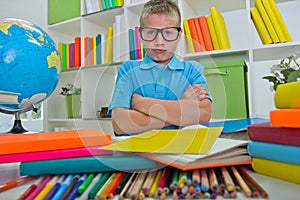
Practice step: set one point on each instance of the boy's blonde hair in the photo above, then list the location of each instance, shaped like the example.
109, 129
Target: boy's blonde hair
167, 7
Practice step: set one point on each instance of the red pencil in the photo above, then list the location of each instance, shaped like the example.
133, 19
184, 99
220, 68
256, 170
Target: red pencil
31, 188
15, 183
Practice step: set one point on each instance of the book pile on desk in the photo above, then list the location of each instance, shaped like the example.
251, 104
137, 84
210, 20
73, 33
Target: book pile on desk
275, 146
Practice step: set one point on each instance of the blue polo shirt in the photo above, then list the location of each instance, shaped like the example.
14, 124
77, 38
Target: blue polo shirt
149, 79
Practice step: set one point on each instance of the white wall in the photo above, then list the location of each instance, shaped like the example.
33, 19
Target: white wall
34, 11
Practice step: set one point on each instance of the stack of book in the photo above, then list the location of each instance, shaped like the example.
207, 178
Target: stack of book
93, 6
206, 33
269, 22
275, 146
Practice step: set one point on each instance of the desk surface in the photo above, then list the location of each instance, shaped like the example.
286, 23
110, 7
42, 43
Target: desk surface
276, 188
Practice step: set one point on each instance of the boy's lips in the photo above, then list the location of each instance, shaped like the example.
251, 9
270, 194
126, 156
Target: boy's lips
159, 50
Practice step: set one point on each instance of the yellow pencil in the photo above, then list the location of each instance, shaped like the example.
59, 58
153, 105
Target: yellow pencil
47, 188
155, 184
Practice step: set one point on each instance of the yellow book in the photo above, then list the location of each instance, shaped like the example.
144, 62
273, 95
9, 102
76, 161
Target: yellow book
260, 26
68, 55
273, 20
280, 21
266, 19
276, 169
212, 32
287, 95
220, 28
120, 2
189, 141
100, 5
94, 50
188, 36
108, 58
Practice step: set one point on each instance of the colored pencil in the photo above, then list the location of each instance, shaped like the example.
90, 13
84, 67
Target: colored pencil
70, 187
47, 188
154, 185
64, 186
31, 188
55, 187
87, 190
241, 182
15, 183
204, 180
227, 178
104, 190
86, 183
74, 193
39, 188
213, 181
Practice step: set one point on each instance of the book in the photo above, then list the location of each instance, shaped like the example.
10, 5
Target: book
205, 33
119, 161
277, 152
195, 34
46, 141
287, 95
109, 46
273, 20
285, 118
264, 132
235, 125
267, 21
132, 46
260, 26
225, 152
212, 32
53, 154
276, 169
220, 28
188, 36
9, 97
189, 141
280, 20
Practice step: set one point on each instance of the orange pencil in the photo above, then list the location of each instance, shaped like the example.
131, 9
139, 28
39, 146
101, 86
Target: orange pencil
241, 182
15, 183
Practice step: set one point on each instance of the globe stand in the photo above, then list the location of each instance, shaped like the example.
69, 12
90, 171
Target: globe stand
17, 127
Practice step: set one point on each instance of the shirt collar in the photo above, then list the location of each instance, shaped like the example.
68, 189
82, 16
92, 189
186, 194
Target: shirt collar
148, 63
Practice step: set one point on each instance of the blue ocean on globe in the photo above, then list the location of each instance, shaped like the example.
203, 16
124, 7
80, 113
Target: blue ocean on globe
30, 63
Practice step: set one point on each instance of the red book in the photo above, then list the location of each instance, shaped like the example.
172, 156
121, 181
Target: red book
285, 117
77, 52
205, 33
264, 132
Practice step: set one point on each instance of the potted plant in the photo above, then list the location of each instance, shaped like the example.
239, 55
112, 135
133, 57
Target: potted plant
72, 99
288, 70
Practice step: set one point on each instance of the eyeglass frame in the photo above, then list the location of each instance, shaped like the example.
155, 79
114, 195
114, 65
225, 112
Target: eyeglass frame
159, 30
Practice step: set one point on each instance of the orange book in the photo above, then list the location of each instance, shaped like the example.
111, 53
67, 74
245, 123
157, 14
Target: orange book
285, 118
205, 33
77, 52
45, 141
196, 34
92, 51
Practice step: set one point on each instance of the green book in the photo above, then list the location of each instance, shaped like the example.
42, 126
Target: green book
120, 161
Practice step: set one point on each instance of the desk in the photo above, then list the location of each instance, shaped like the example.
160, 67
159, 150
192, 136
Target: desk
276, 188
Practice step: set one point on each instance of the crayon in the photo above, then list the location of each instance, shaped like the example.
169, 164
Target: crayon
87, 190
47, 188
86, 183
64, 186
39, 188
31, 188
15, 183
74, 193
55, 187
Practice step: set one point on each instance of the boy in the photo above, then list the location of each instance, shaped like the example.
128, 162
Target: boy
159, 91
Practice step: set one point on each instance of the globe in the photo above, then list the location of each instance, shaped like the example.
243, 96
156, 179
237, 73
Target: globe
30, 63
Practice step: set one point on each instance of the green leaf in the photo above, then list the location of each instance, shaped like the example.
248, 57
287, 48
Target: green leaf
293, 76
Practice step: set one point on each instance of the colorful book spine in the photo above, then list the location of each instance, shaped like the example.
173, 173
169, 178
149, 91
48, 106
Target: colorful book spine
194, 34
104, 163
86, 51
138, 43
260, 26
277, 152
287, 95
220, 27
276, 169
132, 49
98, 49
212, 32
188, 36
264, 132
267, 21
109, 46
54, 154
205, 33
285, 118
77, 52
46, 141
280, 21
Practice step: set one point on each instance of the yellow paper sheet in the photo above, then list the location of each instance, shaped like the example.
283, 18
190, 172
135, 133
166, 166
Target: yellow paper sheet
190, 141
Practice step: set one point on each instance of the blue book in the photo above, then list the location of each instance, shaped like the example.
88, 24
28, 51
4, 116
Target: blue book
98, 49
132, 49
235, 125
120, 161
276, 152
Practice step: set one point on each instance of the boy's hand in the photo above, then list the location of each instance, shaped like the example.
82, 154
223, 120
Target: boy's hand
195, 92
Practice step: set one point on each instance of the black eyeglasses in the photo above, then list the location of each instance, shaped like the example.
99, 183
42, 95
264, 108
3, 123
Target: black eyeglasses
169, 34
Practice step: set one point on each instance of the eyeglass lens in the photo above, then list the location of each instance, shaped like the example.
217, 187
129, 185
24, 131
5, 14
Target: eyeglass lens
169, 34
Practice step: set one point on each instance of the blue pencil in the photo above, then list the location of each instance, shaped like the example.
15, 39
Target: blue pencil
63, 187
55, 188
74, 192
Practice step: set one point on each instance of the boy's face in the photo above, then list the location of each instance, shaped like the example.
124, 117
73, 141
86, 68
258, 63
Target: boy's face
159, 49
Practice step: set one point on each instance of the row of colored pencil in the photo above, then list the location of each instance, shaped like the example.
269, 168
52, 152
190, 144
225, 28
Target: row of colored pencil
158, 184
